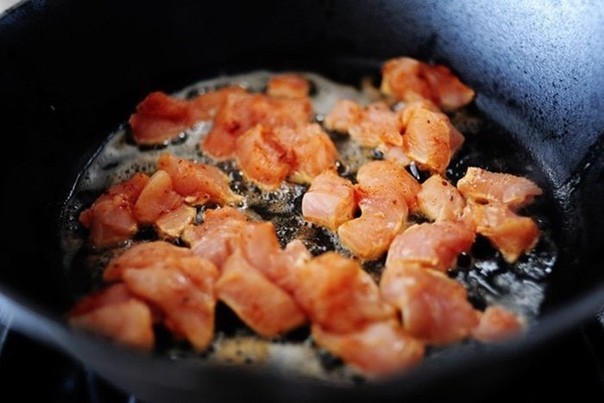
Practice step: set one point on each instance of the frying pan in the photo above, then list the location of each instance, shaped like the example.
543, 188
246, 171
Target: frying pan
71, 71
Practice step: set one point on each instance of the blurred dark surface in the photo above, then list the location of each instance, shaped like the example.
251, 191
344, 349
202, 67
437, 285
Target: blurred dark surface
30, 371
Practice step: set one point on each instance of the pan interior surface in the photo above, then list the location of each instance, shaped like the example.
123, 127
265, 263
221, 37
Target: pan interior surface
489, 279
539, 78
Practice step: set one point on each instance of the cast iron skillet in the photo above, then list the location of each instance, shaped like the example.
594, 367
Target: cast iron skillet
71, 71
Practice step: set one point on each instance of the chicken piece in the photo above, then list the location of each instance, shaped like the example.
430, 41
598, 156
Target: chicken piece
483, 186
344, 115
262, 305
296, 253
111, 221
497, 324
217, 237
434, 307
260, 247
288, 86
394, 154
379, 349
409, 109
385, 190
111, 218
338, 295
330, 201
370, 126
439, 200
207, 105
431, 140
284, 265
151, 254
310, 149
185, 296
388, 177
431, 245
175, 281
112, 294
242, 112
402, 77
115, 313
159, 118
370, 235
509, 233
269, 155
450, 92
377, 125
262, 158
409, 79
259, 243
156, 199
196, 182
173, 223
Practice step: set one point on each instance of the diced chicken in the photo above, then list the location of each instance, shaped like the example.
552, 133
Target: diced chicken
159, 118
152, 254
434, 307
385, 190
509, 233
377, 125
288, 86
451, 93
216, 238
185, 296
261, 158
257, 301
176, 281
207, 105
394, 154
296, 253
115, 313
377, 350
344, 115
198, 183
140, 255
497, 324
370, 235
310, 149
284, 266
484, 186
402, 77
241, 112
156, 199
111, 218
431, 245
173, 223
388, 177
111, 221
269, 155
231, 121
439, 200
330, 201
409, 109
431, 140
370, 126
337, 294
259, 245
113, 294
409, 79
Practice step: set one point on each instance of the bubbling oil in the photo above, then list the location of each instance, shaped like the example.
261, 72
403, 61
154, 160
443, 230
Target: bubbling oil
488, 278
